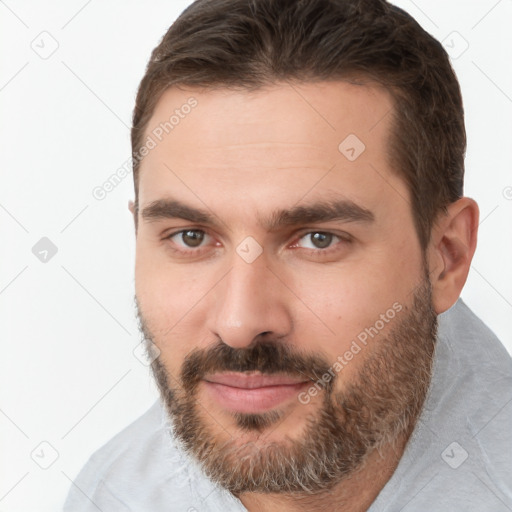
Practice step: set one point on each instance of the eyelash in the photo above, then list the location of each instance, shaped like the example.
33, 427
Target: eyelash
345, 238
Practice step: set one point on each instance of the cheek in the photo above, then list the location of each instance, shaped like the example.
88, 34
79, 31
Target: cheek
167, 290
168, 297
357, 303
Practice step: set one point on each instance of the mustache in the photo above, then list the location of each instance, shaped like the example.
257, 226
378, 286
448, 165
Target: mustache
268, 357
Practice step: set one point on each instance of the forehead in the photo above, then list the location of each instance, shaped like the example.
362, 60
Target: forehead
318, 114
273, 145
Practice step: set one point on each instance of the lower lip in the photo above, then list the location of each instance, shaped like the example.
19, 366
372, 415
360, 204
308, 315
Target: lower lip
253, 400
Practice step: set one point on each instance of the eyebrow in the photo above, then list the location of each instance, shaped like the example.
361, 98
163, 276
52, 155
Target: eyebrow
322, 211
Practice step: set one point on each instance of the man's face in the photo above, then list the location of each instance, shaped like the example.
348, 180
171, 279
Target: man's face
284, 331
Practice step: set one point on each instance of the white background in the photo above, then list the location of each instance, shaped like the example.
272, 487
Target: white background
68, 373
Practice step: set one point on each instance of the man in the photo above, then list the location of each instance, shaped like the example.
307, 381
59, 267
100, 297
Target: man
302, 243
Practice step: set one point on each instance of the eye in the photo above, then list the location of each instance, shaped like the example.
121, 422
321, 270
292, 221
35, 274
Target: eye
188, 238
318, 240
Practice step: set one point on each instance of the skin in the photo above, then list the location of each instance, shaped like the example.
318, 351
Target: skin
242, 155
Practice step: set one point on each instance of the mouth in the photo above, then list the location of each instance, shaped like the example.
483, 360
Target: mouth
252, 392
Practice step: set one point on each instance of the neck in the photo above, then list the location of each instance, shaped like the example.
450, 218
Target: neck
355, 493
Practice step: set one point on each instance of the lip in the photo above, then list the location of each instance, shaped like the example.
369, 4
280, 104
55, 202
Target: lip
252, 392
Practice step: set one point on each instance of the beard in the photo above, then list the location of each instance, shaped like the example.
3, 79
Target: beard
377, 408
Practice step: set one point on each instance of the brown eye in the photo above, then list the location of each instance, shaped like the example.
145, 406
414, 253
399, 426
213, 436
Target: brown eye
188, 238
192, 238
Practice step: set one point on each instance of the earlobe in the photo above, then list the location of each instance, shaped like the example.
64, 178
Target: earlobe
453, 244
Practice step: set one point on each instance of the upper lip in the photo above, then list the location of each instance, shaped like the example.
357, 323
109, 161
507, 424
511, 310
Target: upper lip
251, 381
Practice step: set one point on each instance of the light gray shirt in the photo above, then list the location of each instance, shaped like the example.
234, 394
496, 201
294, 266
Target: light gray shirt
459, 457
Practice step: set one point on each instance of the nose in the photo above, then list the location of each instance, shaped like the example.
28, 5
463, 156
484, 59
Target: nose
250, 302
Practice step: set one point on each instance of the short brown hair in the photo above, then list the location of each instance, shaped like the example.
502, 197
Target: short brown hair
252, 43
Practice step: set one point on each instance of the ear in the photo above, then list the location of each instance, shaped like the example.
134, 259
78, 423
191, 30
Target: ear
451, 249
131, 207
